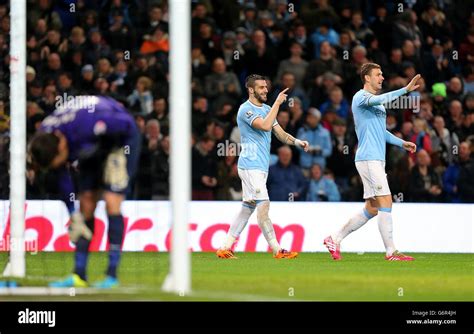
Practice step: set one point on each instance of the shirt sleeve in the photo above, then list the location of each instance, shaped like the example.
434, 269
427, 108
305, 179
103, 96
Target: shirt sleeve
374, 100
248, 115
392, 139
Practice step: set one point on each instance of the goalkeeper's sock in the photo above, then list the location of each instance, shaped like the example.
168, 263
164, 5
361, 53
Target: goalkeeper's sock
352, 225
386, 229
82, 252
115, 234
239, 224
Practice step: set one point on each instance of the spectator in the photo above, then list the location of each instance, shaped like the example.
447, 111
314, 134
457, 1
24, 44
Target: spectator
283, 119
455, 118
467, 128
249, 21
405, 28
295, 65
150, 145
455, 89
222, 86
438, 67
120, 80
395, 62
321, 188
399, 179
287, 80
439, 94
465, 184
425, 184
155, 18
444, 142
141, 100
65, 86
204, 170
35, 91
359, 27
96, 47
229, 186
120, 34
160, 113
157, 42
51, 72
232, 52
324, 33
433, 23
86, 83
341, 160
200, 65
200, 114
466, 49
374, 52
325, 63
285, 180
382, 28
336, 103
451, 175
208, 40
296, 116
161, 170
421, 136
260, 57
319, 140
30, 74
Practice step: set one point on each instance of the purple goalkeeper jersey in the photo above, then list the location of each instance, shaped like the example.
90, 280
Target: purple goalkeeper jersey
85, 119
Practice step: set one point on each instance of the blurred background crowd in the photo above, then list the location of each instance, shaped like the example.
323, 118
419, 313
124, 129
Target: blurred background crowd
119, 48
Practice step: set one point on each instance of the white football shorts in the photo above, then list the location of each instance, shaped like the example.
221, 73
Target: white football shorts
374, 178
254, 184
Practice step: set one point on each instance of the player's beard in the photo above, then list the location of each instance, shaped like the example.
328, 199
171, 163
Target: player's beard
259, 97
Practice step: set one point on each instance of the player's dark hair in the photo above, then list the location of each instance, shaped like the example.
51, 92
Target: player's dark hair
250, 80
365, 70
43, 148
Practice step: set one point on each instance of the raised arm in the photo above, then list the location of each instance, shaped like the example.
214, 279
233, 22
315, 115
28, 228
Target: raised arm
288, 139
266, 124
374, 100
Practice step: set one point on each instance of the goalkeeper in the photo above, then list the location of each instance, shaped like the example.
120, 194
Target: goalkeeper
102, 137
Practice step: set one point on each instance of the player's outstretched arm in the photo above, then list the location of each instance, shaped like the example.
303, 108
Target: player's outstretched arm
374, 100
267, 123
288, 139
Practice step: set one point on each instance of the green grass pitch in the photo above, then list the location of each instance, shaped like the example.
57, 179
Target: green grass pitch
257, 276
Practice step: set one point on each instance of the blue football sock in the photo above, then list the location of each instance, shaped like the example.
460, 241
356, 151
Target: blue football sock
116, 227
82, 252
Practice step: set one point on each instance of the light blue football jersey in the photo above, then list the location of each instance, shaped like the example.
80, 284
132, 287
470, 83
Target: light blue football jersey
255, 144
370, 124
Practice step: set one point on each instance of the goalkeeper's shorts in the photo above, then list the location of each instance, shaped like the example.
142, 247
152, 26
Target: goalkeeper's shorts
112, 170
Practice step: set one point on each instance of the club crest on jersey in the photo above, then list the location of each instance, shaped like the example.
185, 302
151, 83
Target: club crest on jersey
100, 128
249, 113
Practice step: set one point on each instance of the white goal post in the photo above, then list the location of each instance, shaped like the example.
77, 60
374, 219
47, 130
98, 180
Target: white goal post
179, 277
16, 266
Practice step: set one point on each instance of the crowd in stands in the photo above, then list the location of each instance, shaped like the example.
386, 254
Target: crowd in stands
119, 48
